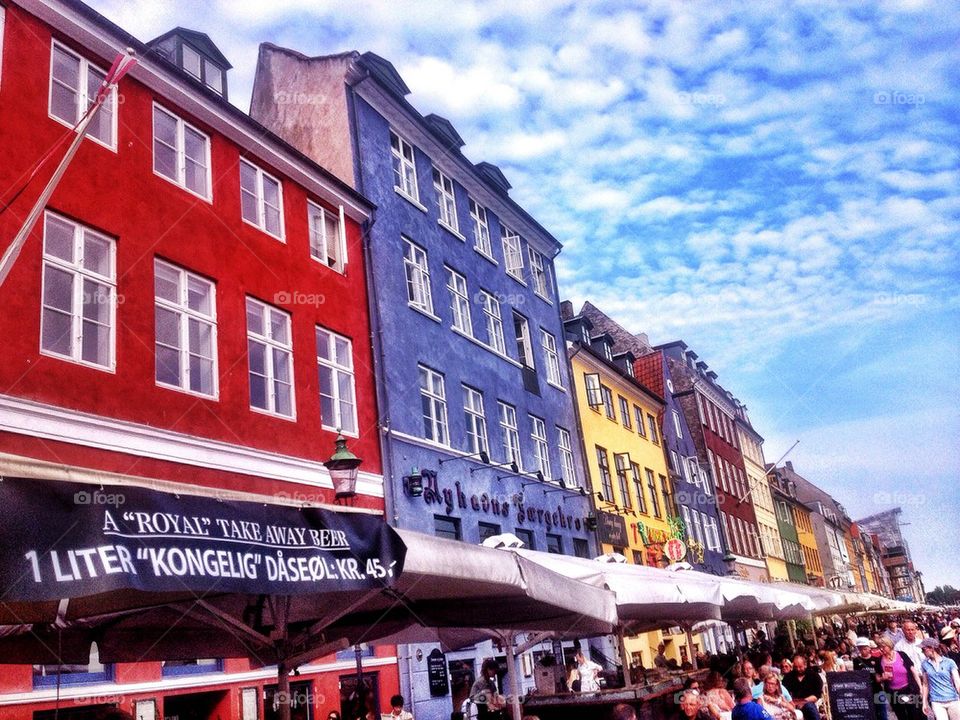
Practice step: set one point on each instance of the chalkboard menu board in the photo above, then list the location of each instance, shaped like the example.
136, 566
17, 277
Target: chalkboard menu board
613, 529
851, 695
437, 673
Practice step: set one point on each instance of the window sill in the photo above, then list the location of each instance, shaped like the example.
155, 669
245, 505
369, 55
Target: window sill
517, 279
270, 413
266, 232
205, 198
452, 230
111, 147
543, 297
425, 313
176, 388
554, 385
489, 349
111, 368
412, 200
488, 258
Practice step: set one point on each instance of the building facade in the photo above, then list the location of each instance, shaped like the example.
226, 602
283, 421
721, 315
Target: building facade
905, 583
477, 415
785, 509
171, 321
710, 412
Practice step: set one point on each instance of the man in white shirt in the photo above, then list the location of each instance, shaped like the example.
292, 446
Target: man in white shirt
910, 644
893, 632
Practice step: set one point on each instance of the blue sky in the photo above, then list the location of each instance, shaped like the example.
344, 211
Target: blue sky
776, 184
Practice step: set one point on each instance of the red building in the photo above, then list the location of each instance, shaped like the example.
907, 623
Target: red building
190, 308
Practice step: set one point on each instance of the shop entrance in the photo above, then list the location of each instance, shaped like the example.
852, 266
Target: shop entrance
360, 700
197, 706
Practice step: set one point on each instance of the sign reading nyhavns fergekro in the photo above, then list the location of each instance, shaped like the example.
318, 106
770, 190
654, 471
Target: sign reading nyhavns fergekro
503, 506
64, 540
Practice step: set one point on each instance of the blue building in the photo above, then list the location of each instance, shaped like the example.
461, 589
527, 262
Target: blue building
477, 420
693, 485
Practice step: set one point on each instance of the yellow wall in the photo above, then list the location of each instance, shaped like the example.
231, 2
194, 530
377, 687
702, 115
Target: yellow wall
808, 543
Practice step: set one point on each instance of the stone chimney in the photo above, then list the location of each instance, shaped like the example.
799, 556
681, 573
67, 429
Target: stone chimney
566, 310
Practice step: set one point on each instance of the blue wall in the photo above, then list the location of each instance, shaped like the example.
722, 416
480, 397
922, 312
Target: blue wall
409, 338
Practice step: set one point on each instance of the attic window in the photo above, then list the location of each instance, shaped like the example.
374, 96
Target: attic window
200, 67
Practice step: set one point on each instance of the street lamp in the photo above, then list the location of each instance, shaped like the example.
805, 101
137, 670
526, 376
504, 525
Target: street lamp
343, 466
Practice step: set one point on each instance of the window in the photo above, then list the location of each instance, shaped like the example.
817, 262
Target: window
446, 527
566, 457
676, 424
608, 402
512, 254
459, 303
524, 347
713, 535
554, 544
624, 412
540, 269
508, 429
621, 462
326, 230
270, 350
594, 394
202, 69
668, 509
260, 199
418, 277
638, 416
174, 668
687, 522
481, 229
541, 451
488, 530
404, 167
606, 482
74, 84
652, 487
580, 548
652, 425
446, 201
526, 537
674, 461
475, 420
549, 344
697, 527
338, 403
181, 153
638, 487
491, 314
433, 405
186, 330
79, 293
701, 481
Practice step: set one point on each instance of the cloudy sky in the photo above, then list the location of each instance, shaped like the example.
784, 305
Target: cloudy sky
776, 184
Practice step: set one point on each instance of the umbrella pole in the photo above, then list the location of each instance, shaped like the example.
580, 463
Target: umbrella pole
693, 655
283, 689
282, 613
624, 657
514, 680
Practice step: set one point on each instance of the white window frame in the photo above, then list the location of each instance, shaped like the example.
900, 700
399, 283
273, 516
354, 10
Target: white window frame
319, 242
262, 176
621, 464
85, 94
459, 302
507, 417
566, 457
181, 180
624, 412
541, 449
677, 425
609, 409
439, 425
494, 322
654, 430
405, 165
338, 370
639, 420
687, 522
268, 341
78, 274
524, 340
540, 272
549, 344
184, 315
512, 253
591, 387
481, 230
446, 201
637, 478
417, 273
476, 421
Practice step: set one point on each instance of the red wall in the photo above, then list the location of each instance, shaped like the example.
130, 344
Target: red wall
118, 194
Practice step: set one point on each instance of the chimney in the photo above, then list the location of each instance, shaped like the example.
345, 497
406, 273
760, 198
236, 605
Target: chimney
566, 310
789, 464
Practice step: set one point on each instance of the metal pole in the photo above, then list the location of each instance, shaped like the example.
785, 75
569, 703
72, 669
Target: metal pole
514, 679
624, 657
282, 698
693, 654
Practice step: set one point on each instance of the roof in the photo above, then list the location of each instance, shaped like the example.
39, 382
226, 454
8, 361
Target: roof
623, 339
199, 40
444, 128
384, 71
144, 50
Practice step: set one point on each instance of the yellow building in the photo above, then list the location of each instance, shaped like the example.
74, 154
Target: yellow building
632, 493
808, 545
751, 445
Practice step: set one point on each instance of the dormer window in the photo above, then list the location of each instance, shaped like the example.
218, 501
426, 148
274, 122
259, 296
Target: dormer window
202, 69
606, 351
196, 54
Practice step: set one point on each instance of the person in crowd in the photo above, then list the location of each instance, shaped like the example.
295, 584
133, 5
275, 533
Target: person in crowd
828, 661
910, 643
948, 639
866, 661
485, 694
333, 715
786, 665
806, 687
941, 683
772, 699
901, 681
691, 683
746, 708
589, 673
396, 709
893, 632
623, 711
716, 698
660, 660
761, 644
690, 707
572, 678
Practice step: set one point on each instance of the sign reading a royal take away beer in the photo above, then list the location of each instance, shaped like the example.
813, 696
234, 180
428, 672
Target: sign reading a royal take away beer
65, 540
